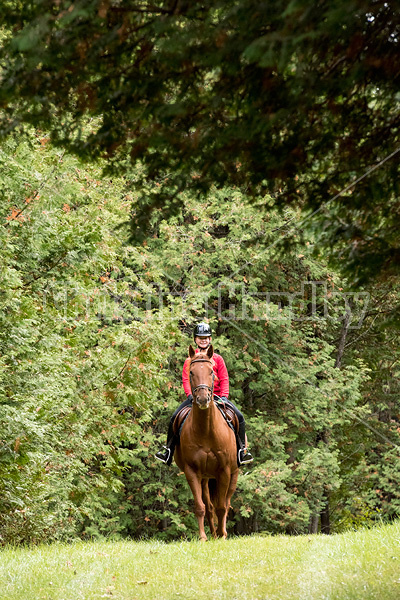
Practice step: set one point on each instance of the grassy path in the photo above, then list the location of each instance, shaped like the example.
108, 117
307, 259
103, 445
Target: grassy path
353, 566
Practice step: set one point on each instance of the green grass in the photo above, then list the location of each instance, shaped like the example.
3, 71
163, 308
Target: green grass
354, 565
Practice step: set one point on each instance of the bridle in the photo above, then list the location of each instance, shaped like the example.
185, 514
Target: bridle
202, 386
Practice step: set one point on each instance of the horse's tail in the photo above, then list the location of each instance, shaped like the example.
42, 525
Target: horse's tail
212, 487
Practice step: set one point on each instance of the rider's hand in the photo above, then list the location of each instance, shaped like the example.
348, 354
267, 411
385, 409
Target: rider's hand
224, 399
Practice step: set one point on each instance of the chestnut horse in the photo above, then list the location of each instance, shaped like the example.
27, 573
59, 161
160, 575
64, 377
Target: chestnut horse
207, 449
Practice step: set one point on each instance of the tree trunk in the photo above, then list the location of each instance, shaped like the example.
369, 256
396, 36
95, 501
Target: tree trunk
325, 517
343, 335
313, 525
325, 522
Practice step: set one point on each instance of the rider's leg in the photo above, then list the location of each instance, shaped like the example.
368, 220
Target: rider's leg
166, 453
244, 456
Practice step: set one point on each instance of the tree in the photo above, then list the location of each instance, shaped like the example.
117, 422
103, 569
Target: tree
94, 332
76, 372
370, 455
295, 97
277, 331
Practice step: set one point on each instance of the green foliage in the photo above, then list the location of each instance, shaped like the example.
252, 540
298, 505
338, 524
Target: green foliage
94, 332
295, 98
74, 372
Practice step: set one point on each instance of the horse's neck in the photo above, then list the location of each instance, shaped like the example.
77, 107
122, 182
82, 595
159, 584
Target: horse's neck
204, 419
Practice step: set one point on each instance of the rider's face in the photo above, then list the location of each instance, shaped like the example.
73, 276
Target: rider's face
203, 342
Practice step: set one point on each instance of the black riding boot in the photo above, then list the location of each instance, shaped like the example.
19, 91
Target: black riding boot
244, 456
167, 453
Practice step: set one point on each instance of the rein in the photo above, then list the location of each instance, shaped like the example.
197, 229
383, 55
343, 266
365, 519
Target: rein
202, 386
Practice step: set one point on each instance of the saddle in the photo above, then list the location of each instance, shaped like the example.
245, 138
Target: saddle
180, 419
227, 412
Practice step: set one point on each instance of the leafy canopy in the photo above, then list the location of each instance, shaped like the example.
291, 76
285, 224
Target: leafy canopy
299, 97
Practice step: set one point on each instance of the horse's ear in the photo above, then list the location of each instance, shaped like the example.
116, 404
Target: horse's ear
210, 351
191, 351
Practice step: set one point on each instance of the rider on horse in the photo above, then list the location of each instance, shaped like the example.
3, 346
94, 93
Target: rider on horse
202, 337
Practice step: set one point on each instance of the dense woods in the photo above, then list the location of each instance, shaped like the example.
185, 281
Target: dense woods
171, 162
94, 330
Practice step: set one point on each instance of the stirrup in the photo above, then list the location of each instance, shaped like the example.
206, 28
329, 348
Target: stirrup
244, 457
164, 455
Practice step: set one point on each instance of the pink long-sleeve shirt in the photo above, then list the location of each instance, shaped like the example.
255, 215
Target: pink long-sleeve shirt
221, 381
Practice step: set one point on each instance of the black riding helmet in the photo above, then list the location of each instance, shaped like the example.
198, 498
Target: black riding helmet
202, 330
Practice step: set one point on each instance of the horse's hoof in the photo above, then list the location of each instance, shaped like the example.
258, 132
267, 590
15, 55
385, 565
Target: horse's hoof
222, 536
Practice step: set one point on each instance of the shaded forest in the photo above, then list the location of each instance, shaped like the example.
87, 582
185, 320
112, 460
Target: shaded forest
170, 162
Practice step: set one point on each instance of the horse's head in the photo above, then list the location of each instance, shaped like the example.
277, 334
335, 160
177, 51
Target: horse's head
201, 375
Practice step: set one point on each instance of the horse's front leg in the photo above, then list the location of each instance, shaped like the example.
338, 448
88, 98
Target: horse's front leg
199, 506
209, 507
231, 488
221, 504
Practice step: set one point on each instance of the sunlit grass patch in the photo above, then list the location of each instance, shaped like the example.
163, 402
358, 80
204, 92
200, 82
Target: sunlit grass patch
354, 565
